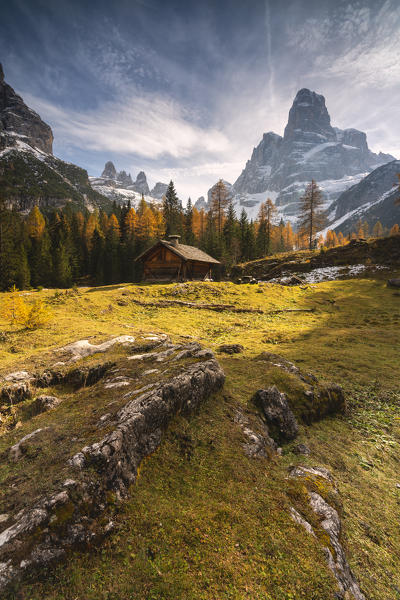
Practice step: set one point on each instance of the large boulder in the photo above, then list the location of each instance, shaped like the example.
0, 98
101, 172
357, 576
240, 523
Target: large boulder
17, 451
281, 421
16, 393
231, 348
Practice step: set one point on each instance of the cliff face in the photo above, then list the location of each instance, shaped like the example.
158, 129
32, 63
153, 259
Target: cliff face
19, 122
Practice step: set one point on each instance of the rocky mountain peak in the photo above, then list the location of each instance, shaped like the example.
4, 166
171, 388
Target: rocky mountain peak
124, 178
141, 177
309, 115
109, 172
141, 184
159, 190
20, 123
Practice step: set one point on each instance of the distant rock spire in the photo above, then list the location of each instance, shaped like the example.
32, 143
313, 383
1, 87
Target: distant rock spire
110, 172
141, 184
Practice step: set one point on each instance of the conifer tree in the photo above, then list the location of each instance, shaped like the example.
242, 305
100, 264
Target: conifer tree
266, 220
312, 217
171, 211
61, 266
219, 204
112, 254
231, 236
97, 257
377, 230
289, 237
188, 227
395, 230
39, 255
6, 247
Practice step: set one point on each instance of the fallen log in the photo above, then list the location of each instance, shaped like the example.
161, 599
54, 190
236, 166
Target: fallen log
291, 310
218, 307
215, 307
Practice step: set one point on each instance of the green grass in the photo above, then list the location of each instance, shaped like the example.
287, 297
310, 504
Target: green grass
206, 522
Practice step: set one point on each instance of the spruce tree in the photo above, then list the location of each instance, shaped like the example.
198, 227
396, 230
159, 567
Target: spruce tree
112, 254
188, 228
61, 266
6, 247
22, 275
172, 211
97, 257
231, 236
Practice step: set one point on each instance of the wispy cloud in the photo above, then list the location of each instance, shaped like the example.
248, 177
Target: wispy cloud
148, 126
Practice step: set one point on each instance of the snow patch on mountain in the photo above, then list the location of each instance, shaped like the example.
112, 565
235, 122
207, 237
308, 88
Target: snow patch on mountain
357, 212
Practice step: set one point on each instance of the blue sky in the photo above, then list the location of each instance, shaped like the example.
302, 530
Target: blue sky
185, 90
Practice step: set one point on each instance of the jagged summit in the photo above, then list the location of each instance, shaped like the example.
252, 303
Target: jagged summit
141, 184
159, 190
18, 122
119, 186
308, 119
124, 180
109, 171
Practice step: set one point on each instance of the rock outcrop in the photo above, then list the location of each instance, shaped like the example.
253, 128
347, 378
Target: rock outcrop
382, 251
309, 402
76, 511
231, 348
317, 478
280, 420
19, 122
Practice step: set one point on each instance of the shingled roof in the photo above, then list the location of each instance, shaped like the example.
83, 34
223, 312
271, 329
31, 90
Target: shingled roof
185, 252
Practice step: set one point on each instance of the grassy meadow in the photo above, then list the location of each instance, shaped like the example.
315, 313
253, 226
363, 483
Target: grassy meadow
204, 522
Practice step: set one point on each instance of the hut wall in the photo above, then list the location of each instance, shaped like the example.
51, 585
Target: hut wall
162, 264
198, 270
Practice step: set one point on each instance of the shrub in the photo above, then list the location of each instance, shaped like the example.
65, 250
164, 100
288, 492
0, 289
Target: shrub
18, 312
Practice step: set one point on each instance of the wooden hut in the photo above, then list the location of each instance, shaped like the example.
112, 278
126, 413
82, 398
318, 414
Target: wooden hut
170, 260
